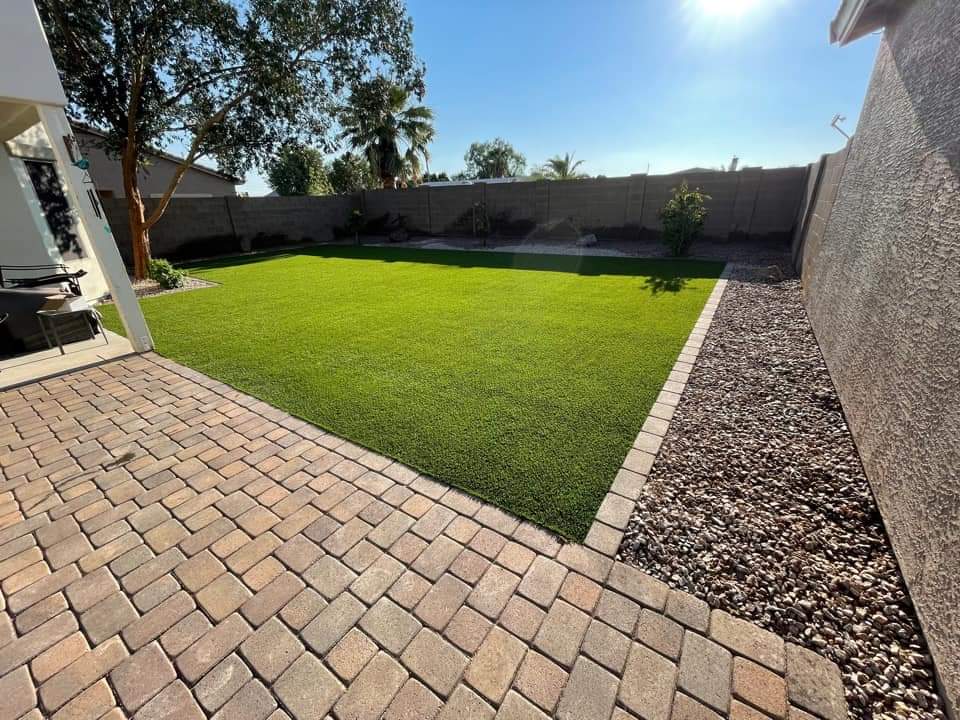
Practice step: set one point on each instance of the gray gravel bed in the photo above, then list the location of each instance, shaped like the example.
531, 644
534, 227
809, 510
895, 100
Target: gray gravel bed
758, 504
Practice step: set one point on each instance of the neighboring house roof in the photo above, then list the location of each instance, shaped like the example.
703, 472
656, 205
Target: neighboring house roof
81, 127
488, 181
856, 18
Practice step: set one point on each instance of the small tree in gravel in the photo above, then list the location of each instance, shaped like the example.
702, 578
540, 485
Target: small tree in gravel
683, 216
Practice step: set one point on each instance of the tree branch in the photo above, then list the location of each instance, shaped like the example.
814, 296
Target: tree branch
188, 161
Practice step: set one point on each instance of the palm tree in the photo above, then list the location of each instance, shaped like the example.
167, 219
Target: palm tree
392, 135
562, 168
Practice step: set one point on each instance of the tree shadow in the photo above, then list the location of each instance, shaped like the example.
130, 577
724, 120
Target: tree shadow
657, 284
662, 274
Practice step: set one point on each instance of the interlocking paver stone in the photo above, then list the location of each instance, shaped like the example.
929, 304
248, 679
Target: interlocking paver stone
747, 639
540, 680
648, 683
493, 591
174, 701
108, 617
307, 689
332, 623
493, 665
442, 601
349, 656
252, 702
223, 596
705, 671
542, 581
212, 647
373, 689
222, 683
561, 632
760, 687
590, 693
660, 633
414, 701
467, 629
141, 676
390, 625
814, 683
267, 569
606, 645
17, 694
271, 649
435, 661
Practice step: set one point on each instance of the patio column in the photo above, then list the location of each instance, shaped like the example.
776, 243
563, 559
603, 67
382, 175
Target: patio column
97, 230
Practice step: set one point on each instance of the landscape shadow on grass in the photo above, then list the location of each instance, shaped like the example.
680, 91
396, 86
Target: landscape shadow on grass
663, 275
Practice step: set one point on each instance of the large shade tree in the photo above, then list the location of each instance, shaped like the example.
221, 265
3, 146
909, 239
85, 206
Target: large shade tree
380, 121
229, 80
494, 159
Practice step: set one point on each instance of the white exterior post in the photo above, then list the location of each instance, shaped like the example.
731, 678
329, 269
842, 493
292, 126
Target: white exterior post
97, 231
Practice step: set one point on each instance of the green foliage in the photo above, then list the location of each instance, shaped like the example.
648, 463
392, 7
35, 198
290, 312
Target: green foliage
350, 173
230, 80
436, 177
165, 274
683, 216
298, 170
379, 121
500, 374
562, 168
494, 159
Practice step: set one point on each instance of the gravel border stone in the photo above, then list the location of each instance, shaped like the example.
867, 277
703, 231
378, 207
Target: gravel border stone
149, 288
757, 503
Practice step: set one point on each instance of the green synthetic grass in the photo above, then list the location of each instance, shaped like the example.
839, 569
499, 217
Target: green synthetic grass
522, 379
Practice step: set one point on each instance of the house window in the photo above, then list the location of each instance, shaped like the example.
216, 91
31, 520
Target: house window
55, 207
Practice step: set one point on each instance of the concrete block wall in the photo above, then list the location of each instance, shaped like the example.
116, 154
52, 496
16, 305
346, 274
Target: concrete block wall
758, 203
203, 227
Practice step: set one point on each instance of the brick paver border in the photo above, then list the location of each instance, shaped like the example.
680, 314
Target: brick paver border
606, 533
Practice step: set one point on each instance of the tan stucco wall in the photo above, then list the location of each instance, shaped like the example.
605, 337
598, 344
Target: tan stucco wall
882, 289
107, 176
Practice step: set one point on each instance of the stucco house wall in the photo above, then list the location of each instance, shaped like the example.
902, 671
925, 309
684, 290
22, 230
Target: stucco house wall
107, 175
882, 289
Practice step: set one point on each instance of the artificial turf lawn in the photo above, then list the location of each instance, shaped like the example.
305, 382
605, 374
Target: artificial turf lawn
522, 379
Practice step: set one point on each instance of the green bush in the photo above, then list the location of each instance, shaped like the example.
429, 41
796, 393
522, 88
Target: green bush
165, 274
683, 216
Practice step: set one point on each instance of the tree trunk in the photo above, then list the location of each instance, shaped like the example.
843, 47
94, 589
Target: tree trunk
389, 182
139, 237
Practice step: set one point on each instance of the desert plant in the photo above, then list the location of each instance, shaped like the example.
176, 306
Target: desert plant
165, 274
683, 216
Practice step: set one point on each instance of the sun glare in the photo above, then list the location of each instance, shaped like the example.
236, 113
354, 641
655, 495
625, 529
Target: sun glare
726, 8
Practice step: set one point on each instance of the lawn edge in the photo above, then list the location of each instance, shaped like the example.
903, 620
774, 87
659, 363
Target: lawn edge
606, 533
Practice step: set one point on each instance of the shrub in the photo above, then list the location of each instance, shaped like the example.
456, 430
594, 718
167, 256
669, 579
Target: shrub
165, 274
683, 216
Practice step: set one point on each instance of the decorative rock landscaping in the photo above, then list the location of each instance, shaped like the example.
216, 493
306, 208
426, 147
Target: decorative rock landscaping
758, 505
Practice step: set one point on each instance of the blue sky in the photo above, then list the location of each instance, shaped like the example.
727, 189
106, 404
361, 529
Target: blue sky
624, 84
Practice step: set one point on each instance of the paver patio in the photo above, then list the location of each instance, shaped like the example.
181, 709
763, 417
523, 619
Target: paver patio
170, 547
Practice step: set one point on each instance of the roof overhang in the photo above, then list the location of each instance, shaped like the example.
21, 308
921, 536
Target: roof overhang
856, 18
